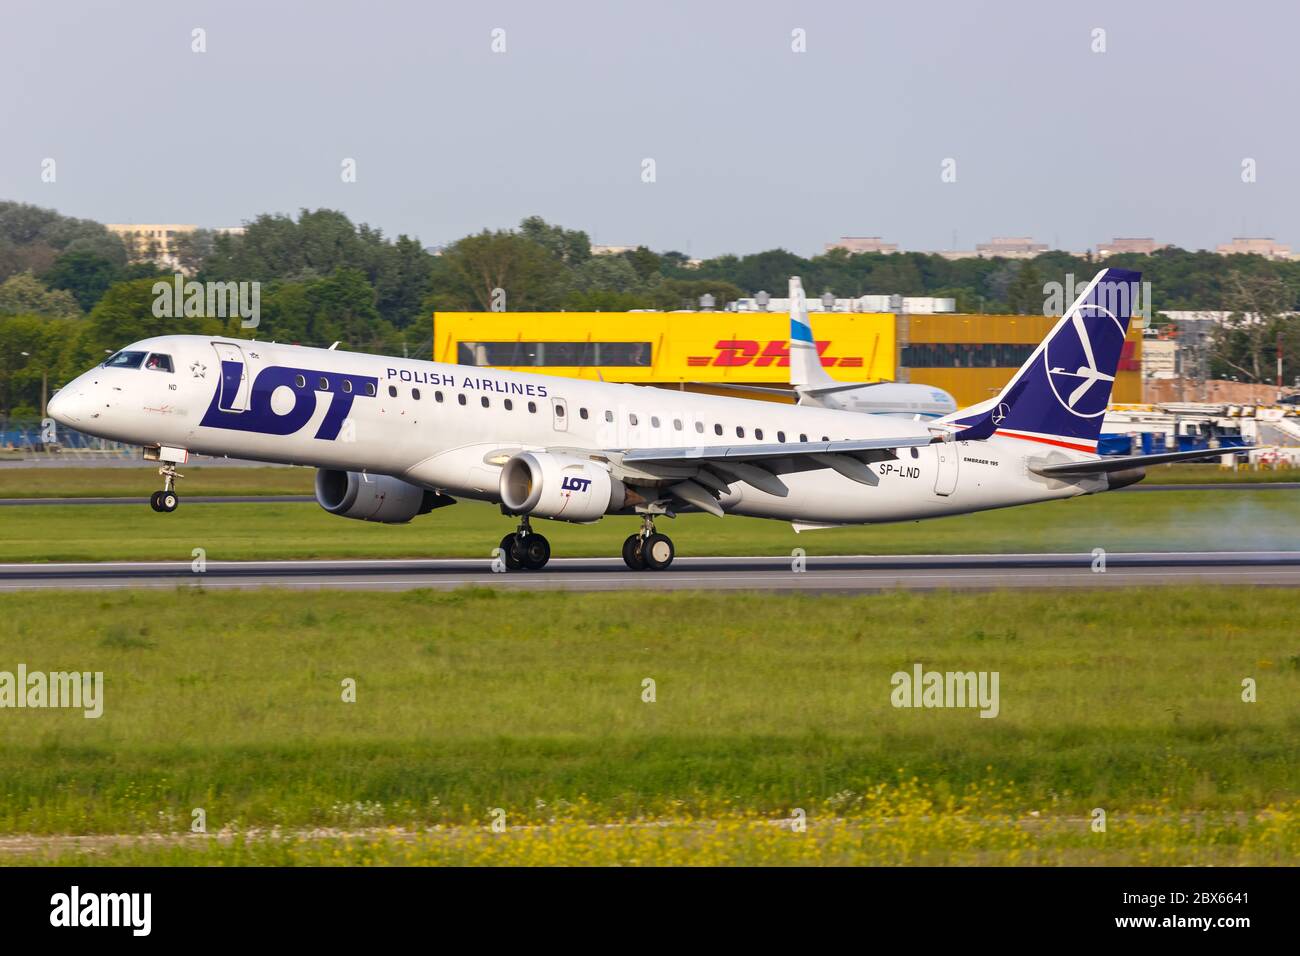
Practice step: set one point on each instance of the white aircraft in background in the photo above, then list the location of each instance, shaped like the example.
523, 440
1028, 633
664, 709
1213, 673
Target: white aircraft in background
812, 385
396, 438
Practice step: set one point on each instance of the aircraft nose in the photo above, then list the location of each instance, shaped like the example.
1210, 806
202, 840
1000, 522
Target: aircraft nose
66, 406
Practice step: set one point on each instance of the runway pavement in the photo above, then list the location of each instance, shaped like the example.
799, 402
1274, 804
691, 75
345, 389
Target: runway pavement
841, 573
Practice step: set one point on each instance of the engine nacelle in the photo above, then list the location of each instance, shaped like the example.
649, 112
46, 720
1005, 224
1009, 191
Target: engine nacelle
373, 497
564, 487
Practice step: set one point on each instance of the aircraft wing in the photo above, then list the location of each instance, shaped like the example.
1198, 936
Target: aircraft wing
697, 474
836, 387
754, 389
774, 450
1097, 466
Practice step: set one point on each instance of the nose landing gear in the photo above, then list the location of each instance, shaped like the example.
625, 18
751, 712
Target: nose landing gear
165, 501
648, 550
525, 549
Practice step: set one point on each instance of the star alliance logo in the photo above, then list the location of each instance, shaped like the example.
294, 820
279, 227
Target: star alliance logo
198, 368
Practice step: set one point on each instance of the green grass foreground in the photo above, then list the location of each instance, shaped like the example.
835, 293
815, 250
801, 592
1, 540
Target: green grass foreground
473, 700
136, 482
1174, 520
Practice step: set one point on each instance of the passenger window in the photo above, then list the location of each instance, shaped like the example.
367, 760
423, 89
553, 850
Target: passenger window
803, 438
415, 392
323, 384
508, 404
392, 391
299, 381
758, 433
484, 401
915, 453
609, 416
437, 396
677, 424
717, 429
559, 411
582, 413
740, 432
159, 363
631, 417
654, 421
824, 438
780, 436
532, 407
370, 388
699, 427
347, 385
461, 398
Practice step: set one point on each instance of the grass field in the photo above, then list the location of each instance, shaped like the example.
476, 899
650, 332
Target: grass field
532, 703
1175, 520
77, 482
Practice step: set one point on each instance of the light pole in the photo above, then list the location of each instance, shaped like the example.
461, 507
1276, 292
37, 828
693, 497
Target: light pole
45, 383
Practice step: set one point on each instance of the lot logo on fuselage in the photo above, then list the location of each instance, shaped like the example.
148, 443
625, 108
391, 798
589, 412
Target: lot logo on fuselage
278, 405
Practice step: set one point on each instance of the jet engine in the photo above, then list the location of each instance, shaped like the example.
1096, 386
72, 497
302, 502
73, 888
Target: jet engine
564, 487
374, 497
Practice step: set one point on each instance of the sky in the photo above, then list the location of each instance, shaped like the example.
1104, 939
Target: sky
754, 145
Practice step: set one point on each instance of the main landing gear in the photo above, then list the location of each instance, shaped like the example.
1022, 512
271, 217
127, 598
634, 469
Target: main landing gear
525, 549
648, 550
166, 500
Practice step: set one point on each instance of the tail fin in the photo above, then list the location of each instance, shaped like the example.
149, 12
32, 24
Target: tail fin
1060, 395
805, 360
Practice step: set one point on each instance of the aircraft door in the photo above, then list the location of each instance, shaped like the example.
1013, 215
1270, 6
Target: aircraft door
236, 382
559, 415
946, 459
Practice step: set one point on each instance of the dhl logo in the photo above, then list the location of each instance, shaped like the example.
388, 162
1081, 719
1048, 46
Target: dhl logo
733, 353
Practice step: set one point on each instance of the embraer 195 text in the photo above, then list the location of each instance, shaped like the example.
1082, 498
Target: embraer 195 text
396, 438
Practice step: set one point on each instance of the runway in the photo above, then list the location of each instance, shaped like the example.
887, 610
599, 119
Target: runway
845, 573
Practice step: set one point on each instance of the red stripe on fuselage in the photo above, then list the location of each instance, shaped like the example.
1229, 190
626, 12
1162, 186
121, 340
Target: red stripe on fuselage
1047, 441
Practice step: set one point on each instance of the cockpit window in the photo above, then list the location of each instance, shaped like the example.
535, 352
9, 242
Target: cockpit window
125, 360
159, 362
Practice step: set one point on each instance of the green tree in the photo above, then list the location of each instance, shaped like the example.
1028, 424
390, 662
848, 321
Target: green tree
24, 293
86, 275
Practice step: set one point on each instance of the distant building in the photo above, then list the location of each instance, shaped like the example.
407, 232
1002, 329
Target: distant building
1015, 247
1265, 247
156, 242
1144, 246
856, 244
611, 250
1159, 359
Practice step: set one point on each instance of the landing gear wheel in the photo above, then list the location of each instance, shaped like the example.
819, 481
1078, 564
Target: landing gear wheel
534, 552
510, 552
167, 501
657, 551
153, 501
632, 553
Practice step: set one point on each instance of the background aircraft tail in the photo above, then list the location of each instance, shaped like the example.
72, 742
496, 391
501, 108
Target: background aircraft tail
1060, 395
805, 361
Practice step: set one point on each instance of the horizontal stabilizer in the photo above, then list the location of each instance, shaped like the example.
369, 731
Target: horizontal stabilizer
1098, 466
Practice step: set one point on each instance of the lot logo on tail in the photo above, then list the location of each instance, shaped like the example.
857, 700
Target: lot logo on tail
1073, 382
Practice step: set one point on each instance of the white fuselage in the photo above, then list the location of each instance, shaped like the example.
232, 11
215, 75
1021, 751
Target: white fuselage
466, 421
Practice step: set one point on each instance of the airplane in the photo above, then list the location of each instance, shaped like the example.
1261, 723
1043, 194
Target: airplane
812, 385
393, 439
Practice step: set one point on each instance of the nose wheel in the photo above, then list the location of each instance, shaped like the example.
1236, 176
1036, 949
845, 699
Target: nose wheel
165, 501
525, 549
648, 550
